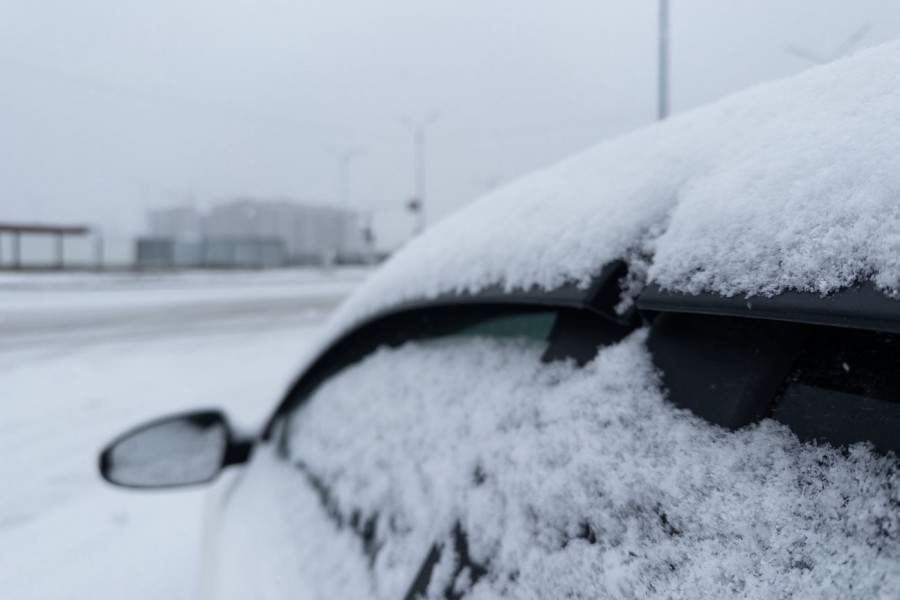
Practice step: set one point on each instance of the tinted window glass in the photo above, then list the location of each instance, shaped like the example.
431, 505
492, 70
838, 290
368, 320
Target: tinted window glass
845, 389
535, 326
862, 363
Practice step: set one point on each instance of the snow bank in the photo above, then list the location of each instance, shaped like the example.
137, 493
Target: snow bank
791, 184
571, 483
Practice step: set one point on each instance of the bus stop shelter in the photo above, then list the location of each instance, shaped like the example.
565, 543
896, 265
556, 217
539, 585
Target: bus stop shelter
57, 231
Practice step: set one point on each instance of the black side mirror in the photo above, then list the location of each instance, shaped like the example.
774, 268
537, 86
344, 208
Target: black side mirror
175, 451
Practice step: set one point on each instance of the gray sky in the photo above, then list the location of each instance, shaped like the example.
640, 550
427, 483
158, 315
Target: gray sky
108, 107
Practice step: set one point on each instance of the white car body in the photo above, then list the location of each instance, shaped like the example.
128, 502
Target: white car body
474, 466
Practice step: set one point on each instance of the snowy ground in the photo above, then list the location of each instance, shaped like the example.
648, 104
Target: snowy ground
83, 357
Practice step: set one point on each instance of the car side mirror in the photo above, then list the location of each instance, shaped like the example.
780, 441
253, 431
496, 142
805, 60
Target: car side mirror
174, 451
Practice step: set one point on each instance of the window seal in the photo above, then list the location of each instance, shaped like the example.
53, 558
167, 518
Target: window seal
861, 306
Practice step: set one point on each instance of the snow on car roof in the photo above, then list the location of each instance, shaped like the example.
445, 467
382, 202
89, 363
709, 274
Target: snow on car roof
793, 184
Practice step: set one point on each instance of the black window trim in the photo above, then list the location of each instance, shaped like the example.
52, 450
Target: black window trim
861, 306
425, 318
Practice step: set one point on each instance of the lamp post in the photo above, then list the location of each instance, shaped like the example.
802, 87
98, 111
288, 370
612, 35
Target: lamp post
419, 129
663, 80
344, 156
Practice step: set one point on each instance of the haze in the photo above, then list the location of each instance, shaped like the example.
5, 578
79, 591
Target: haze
110, 108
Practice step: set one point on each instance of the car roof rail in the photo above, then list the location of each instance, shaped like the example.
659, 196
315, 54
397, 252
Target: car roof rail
861, 306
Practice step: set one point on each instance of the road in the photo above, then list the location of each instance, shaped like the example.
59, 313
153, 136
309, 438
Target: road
83, 358
73, 312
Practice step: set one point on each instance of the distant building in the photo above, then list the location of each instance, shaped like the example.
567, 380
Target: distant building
176, 222
249, 232
309, 232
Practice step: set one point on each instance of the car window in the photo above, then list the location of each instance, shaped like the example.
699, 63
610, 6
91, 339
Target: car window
535, 326
526, 333
469, 465
845, 389
829, 384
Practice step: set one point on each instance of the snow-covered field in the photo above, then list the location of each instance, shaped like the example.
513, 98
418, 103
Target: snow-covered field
83, 357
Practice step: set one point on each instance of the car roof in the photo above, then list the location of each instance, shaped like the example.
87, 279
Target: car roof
790, 185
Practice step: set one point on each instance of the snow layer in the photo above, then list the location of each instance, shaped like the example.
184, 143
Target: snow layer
70, 382
791, 184
571, 483
584, 483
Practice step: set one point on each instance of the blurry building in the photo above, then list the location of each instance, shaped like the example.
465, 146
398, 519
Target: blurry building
250, 233
176, 222
310, 233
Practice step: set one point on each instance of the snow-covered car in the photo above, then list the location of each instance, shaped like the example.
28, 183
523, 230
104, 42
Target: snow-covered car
668, 367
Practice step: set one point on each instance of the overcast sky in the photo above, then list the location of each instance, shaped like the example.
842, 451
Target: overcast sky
108, 107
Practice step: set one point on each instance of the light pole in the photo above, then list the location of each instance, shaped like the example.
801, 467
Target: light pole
344, 156
663, 83
419, 129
